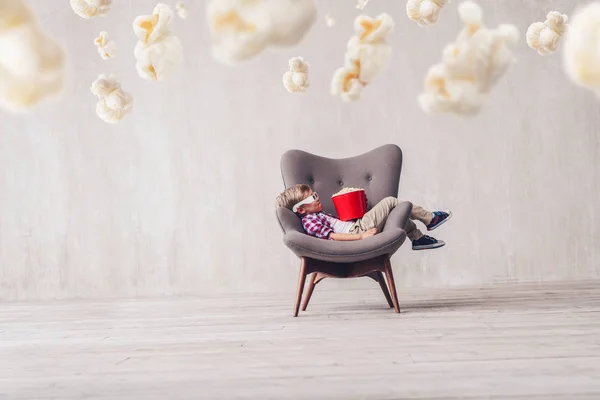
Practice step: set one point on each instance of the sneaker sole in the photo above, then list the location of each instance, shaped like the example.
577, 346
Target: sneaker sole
430, 246
440, 223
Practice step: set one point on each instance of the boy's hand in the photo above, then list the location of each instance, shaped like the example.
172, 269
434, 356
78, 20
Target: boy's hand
369, 233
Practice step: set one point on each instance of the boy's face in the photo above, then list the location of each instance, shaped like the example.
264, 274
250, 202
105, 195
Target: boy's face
311, 208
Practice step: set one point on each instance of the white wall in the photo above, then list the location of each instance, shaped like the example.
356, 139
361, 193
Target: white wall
178, 198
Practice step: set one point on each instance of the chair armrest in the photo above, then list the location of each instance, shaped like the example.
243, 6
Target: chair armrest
289, 221
398, 217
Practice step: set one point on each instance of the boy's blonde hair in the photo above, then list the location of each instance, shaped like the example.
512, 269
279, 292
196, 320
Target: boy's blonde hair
292, 195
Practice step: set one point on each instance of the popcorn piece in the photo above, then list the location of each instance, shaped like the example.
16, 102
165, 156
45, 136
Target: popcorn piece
296, 79
346, 82
368, 55
470, 66
373, 30
182, 10
330, 21
545, 36
446, 95
158, 52
241, 29
106, 48
371, 59
424, 12
581, 51
113, 103
91, 8
347, 190
32, 65
360, 4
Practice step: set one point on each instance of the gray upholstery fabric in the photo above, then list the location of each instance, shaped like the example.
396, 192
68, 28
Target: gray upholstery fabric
377, 171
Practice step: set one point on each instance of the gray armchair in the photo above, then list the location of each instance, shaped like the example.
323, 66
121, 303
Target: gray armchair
378, 172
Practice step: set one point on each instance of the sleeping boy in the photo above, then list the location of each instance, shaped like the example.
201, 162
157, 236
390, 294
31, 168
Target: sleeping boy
303, 201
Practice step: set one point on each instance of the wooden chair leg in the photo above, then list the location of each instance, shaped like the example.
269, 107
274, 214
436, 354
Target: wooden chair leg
392, 285
309, 291
384, 288
301, 280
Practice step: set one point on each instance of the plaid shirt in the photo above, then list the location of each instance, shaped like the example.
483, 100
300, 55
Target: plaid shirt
317, 225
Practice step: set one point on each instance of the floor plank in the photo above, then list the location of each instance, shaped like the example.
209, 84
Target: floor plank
506, 341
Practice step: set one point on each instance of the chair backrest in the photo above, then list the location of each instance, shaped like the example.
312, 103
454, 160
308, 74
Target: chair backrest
378, 172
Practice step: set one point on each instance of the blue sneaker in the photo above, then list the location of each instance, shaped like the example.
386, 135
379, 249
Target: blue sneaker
439, 217
427, 242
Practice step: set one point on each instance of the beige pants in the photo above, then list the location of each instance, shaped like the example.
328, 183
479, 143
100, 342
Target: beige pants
376, 217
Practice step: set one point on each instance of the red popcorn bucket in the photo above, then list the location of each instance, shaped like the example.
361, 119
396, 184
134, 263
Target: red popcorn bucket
351, 205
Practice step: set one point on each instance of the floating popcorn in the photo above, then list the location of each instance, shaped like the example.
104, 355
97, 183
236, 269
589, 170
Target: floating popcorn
447, 95
581, 50
360, 4
113, 103
424, 12
329, 20
91, 8
367, 56
158, 52
106, 48
182, 10
470, 66
346, 83
241, 29
32, 65
545, 36
296, 79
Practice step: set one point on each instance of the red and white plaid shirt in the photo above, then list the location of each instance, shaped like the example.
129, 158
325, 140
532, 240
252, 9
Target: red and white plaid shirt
318, 225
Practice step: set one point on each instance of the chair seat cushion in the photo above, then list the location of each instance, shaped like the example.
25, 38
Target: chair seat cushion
386, 242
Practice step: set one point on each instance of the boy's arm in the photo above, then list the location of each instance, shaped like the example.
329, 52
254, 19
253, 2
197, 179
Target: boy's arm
345, 237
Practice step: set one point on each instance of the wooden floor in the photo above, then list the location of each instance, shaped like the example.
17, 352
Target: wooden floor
505, 342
